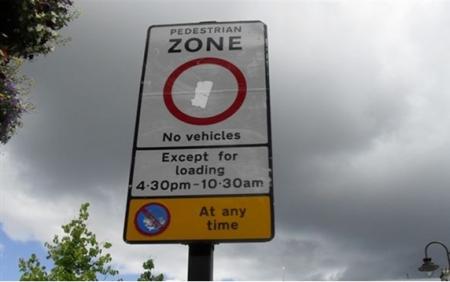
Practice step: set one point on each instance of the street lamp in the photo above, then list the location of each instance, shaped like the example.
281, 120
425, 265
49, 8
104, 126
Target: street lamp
429, 266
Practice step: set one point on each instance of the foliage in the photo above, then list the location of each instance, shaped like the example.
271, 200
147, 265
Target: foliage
32, 270
76, 256
13, 90
147, 274
27, 28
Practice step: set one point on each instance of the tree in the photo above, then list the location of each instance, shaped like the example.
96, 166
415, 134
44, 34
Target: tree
76, 256
27, 28
147, 274
32, 270
13, 89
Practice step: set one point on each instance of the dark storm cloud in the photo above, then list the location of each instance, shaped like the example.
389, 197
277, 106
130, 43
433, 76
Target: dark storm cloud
81, 131
346, 102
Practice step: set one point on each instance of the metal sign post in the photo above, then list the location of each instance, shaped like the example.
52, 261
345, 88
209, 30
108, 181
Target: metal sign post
201, 169
200, 264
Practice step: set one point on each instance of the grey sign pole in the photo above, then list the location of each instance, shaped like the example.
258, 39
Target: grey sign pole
200, 264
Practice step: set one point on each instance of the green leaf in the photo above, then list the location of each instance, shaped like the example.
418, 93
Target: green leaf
147, 275
77, 256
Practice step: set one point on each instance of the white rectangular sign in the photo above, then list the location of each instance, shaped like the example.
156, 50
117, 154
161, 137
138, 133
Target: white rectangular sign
204, 84
202, 138
218, 171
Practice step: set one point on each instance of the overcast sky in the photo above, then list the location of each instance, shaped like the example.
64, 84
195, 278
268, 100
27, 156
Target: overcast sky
360, 92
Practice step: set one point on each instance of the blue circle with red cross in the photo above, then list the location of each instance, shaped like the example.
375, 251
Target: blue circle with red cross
152, 219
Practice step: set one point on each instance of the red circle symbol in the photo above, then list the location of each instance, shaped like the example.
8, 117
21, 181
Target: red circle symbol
240, 97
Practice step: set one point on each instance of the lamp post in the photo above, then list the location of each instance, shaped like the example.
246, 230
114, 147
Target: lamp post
429, 266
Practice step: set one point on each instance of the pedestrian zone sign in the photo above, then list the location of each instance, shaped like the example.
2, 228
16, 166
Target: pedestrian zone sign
201, 165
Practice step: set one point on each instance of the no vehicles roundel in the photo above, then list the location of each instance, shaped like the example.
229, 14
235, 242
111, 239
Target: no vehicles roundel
217, 117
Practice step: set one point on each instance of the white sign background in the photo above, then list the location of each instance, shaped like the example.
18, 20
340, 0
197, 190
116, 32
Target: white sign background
247, 174
250, 120
244, 134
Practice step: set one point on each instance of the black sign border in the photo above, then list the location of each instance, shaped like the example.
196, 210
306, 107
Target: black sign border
268, 145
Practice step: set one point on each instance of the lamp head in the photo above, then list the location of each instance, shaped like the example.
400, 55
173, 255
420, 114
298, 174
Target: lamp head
428, 265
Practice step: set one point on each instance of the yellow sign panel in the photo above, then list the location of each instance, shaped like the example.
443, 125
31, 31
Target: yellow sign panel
193, 219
